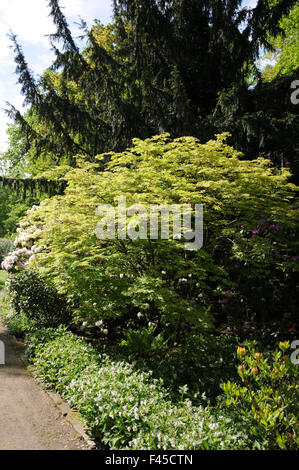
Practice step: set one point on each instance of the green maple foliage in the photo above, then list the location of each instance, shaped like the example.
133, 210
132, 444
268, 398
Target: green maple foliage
244, 269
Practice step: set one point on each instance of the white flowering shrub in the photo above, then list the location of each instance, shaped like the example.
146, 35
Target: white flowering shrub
27, 232
29, 294
18, 259
25, 250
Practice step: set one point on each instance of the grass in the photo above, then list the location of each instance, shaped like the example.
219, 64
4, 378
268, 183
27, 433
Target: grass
3, 278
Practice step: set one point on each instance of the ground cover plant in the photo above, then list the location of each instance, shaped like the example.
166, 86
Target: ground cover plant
126, 408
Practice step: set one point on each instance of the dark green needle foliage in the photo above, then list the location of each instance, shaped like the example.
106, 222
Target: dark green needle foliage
177, 66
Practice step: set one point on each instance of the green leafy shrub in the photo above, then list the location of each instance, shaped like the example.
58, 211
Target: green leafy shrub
18, 324
246, 268
203, 362
60, 356
39, 337
125, 408
144, 341
268, 395
33, 297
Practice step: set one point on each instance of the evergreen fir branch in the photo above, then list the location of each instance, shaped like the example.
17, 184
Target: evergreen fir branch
34, 185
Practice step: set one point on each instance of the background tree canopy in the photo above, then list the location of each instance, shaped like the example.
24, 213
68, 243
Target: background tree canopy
134, 113
177, 66
286, 50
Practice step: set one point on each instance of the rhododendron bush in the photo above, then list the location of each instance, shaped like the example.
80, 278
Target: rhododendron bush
246, 267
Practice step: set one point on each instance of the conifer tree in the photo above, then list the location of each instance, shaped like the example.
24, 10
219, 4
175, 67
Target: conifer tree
179, 66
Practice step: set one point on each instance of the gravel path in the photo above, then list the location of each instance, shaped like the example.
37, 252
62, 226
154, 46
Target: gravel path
29, 419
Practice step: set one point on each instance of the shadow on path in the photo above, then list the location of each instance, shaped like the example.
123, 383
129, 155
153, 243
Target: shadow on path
29, 420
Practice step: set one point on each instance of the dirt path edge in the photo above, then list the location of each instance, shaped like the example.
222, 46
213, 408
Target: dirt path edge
71, 416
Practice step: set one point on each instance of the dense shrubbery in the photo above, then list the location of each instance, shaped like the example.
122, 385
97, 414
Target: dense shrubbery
124, 407
127, 408
33, 299
201, 361
17, 259
18, 324
268, 395
157, 303
246, 268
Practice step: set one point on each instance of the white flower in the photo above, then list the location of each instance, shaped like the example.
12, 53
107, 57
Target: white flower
36, 249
